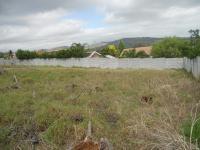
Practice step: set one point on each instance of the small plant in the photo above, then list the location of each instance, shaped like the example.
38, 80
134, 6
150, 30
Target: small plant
191, 128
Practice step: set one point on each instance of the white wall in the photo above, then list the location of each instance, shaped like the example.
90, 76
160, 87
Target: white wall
193, 66
136, 63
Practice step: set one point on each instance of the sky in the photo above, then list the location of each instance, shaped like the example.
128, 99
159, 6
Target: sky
41, 24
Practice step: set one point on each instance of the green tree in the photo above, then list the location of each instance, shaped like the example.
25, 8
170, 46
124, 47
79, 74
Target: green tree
194, 44
1, 55
170, 47
25, 54
121, 46
110, 50
77, 50
63, 54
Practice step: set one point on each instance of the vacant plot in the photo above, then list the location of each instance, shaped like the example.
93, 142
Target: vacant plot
133, 109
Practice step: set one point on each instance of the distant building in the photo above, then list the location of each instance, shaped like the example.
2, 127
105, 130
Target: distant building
95, 54
146, 49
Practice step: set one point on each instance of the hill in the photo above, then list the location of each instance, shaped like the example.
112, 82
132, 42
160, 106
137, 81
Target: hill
58, 48
130, 42
136, 42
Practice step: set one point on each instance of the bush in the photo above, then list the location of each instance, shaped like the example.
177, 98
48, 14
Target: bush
170, 47
63, 54
76, 51
129, 54
25, 54
1, 55
142, 54
110, 50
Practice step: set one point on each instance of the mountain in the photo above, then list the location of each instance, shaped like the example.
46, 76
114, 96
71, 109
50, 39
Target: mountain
136, 42
57, 48
129, 42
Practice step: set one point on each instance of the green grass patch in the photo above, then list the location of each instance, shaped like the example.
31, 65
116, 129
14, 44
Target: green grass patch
54, 104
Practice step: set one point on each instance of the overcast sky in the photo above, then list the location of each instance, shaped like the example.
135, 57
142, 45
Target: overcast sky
36, 24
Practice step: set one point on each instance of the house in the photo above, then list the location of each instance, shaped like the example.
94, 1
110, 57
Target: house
146, 49
95, 54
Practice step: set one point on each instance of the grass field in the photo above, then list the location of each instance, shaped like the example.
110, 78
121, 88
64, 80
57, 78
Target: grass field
54, 105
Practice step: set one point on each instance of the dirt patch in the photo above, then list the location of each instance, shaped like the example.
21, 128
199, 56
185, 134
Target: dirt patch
77, 118
146, 100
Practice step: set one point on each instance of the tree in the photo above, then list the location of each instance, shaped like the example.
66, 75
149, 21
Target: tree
10, 54
25, 54
194, 44
77, 50
121, 46
194, 36
170, 47
1, 55
110, 50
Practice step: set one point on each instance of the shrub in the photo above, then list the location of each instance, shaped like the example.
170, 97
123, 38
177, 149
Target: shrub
129, 54
110, 50
170, 47
1, 55
142, 54
63, 54
25, 54
76, 51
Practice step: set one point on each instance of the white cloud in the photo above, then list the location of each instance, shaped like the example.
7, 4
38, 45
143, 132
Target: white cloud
180, 12
45, 24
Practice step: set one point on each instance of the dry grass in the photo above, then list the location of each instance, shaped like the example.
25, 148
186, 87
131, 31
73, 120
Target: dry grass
53, 104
